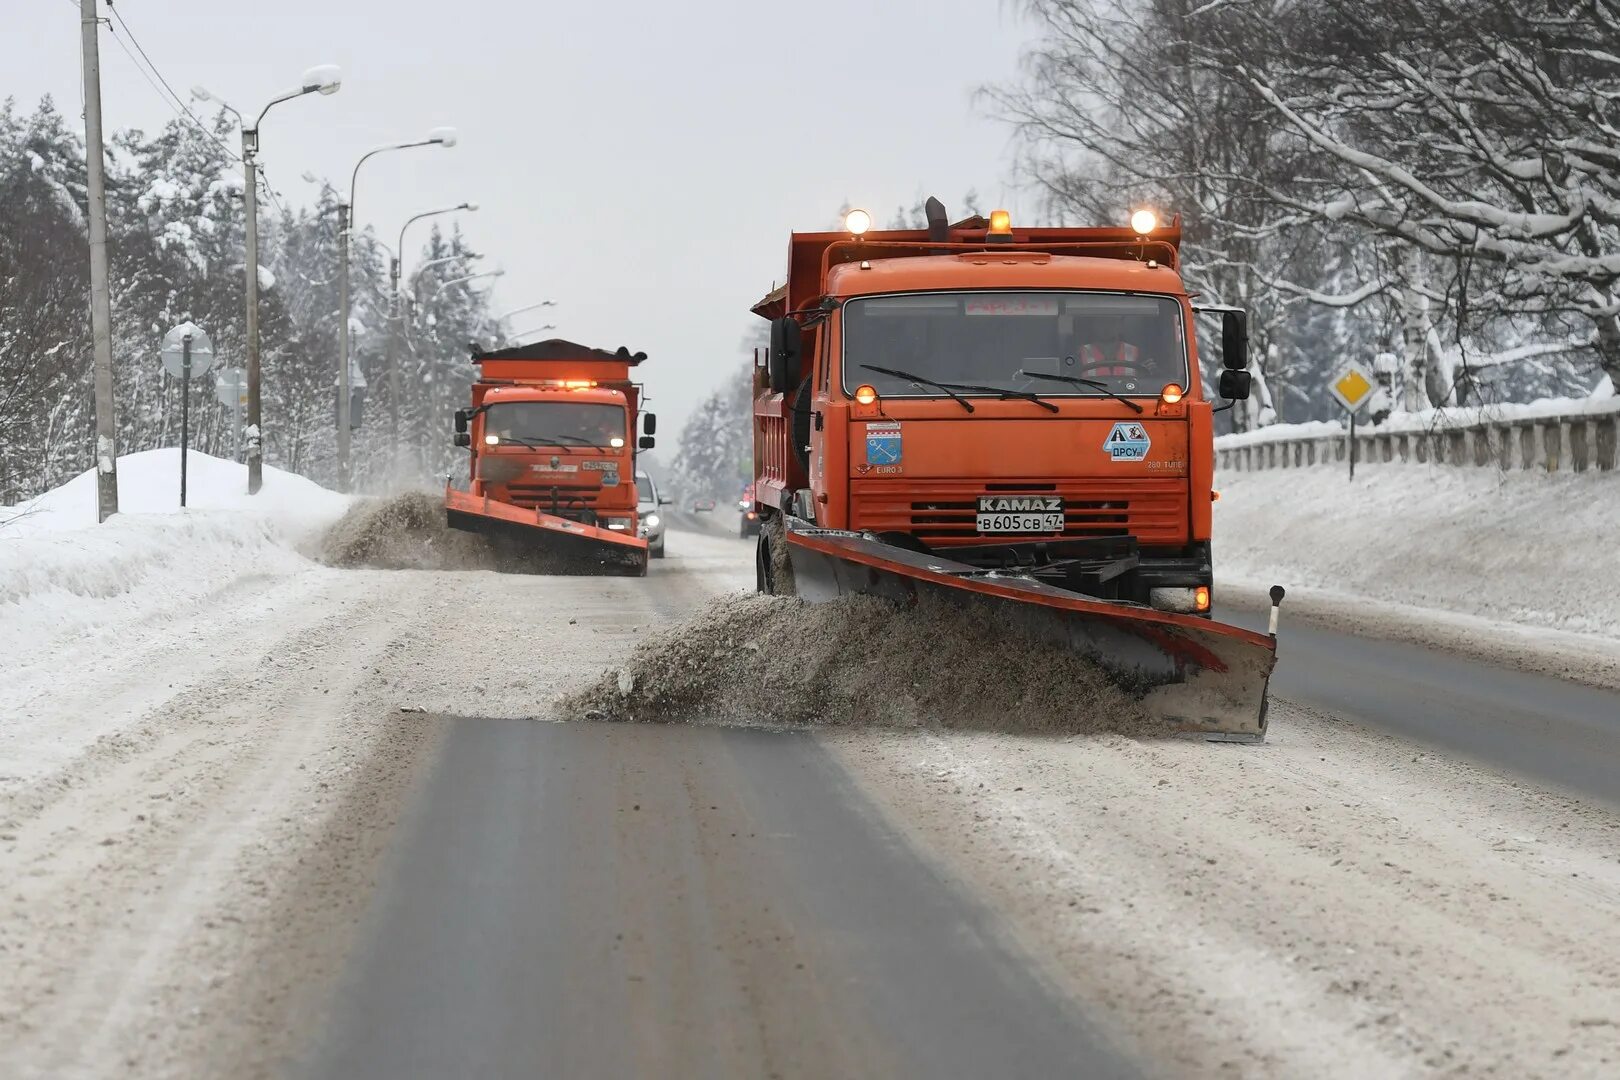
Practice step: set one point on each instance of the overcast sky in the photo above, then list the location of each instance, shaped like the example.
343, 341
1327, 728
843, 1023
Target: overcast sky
640, 162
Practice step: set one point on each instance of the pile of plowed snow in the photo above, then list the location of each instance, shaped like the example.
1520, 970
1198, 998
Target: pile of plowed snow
775, 661
408, 532
404, 532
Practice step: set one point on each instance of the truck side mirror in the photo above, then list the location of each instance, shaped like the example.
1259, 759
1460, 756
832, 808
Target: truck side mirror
1234, 385
647, 442
786, 342
649, 424
1235, 341
463, 439
461, 422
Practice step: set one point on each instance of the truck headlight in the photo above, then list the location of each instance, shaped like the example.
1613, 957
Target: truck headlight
618, 524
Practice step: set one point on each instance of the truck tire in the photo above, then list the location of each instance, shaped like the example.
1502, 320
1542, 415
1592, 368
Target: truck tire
773, 571
762, 564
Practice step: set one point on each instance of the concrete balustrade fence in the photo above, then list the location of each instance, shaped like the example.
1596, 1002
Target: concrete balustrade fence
1578, 442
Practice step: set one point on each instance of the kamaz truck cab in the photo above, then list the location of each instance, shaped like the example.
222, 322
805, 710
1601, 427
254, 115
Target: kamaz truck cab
552, 431
1005, 397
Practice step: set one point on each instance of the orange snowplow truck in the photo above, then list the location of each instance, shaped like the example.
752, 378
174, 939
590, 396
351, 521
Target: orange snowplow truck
552, 431
1013, 413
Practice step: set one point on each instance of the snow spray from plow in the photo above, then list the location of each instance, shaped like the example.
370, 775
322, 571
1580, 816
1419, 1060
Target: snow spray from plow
1200, 677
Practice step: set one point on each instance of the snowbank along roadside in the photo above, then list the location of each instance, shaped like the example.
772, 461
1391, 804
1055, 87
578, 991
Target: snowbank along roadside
74, 593
1537, 552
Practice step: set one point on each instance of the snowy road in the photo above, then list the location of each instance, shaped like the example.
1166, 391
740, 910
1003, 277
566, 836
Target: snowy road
231, 853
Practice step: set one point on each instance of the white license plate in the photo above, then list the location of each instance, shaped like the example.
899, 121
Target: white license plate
1020, 523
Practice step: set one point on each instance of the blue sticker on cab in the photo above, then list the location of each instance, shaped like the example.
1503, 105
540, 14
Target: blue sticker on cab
883, 444
1127, 441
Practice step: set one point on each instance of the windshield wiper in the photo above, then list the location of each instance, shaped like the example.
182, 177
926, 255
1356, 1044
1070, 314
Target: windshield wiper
918, 379
1093, 383
541, 442
1003, 392
577, 440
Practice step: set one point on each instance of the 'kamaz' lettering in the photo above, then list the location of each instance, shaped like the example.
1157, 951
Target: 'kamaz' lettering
1020, 504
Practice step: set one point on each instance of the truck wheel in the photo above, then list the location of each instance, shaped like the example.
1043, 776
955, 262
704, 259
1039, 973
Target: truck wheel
771, 566
762, 564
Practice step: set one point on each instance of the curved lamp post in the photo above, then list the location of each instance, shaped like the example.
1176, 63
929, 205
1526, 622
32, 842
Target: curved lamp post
325, 79
395, 323
445, 137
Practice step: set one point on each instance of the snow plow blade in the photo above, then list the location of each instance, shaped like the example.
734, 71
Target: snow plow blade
533, 528
1203, 678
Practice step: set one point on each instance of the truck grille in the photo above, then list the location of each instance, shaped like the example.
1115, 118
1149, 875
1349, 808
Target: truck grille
943, 512
573, 500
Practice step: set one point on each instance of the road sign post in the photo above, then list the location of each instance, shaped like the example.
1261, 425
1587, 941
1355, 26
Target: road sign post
1352, 388
187, 352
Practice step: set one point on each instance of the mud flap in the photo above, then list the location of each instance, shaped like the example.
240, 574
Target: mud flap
1202, 678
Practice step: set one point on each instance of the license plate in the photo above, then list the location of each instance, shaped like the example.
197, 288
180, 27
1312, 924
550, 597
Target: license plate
1020, 523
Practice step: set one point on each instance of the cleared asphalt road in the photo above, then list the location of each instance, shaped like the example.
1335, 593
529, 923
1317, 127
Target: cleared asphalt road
617, 901
1536, 725
580, 899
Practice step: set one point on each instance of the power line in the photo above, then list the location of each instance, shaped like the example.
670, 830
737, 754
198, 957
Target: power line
174, 100
271, 191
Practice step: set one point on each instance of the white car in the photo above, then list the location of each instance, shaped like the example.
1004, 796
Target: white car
650, 515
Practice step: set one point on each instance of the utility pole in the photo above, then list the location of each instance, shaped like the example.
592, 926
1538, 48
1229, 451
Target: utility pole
250, 207
100, 294
345, 215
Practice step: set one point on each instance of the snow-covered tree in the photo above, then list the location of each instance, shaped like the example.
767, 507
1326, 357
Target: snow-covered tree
1441, 179
176, 252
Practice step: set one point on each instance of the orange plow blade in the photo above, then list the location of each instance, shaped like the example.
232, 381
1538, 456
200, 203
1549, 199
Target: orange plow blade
534, 528
1201, 677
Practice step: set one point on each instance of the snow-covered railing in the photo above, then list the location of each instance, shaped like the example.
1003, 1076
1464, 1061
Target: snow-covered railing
1560, 435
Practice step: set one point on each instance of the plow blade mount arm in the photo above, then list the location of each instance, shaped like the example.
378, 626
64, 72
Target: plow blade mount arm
1201, 677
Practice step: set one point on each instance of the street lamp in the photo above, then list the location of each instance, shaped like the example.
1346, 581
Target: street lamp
324, 79
416, 278
443, 136
459, 280
521, 334
394, 317
521, 310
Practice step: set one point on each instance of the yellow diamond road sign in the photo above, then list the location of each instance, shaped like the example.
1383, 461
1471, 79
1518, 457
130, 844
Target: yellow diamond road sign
1352, 386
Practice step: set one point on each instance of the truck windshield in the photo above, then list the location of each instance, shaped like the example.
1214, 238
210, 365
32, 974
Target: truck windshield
1131, 344
557, 423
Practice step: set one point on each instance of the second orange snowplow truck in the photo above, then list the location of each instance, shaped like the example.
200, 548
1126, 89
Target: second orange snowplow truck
1013, 418
552, 431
